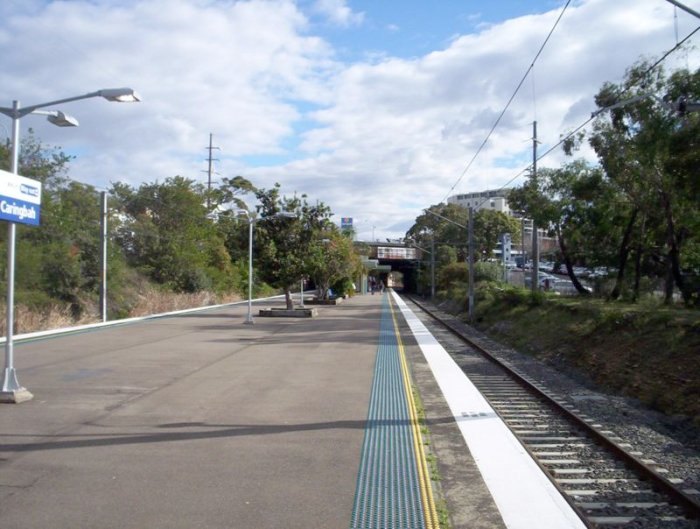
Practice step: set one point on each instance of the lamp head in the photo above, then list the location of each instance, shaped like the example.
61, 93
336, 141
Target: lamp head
61, 119
120, 95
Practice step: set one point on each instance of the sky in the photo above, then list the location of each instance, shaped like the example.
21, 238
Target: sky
375, 108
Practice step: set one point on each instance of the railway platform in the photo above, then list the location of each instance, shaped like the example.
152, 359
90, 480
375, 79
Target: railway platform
197, 420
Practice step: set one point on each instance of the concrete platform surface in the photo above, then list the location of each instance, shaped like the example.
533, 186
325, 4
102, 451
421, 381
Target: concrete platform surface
194, 421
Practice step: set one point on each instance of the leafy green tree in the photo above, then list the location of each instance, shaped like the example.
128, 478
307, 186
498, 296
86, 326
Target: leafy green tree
489, 225
429, 227
41, 162
648, 152
445, 254
331, 259
166, 232
451, 238
567, 202
284, 243
228, 193
232, 227
59, 259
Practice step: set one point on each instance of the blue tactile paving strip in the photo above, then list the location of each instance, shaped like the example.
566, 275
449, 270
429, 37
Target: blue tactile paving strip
388, 493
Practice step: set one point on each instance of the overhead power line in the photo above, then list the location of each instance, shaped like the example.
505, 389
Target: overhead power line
517, 89
585, 123
669, 52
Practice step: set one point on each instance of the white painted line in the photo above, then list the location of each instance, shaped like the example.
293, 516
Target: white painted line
78, 328
523, 494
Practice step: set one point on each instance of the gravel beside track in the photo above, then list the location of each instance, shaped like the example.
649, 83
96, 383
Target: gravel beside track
645, 433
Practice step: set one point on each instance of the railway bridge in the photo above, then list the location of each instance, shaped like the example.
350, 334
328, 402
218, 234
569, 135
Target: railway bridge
395, 263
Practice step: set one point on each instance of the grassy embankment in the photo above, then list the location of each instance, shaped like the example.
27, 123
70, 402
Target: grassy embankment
150, 300
645, 351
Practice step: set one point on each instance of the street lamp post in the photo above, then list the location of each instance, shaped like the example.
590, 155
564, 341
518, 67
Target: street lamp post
11, 390
103, 255
249, 317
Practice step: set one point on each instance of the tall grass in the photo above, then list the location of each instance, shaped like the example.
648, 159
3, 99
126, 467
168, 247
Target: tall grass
49, 317
150, 301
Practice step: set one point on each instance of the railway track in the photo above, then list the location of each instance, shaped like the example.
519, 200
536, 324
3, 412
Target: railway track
601, 475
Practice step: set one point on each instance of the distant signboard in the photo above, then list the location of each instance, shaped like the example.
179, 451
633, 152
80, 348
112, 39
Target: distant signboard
20, 199
345, 223
396, 252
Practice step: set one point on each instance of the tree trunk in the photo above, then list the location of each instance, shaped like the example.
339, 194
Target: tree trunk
569, 265
638, 262
668, 286
623, 255
637, 273
674, 265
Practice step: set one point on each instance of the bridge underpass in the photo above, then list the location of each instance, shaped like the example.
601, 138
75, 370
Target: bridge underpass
398, 261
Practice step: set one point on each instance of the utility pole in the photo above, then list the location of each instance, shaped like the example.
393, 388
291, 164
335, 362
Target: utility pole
470, 256
470, 242
432, 267
535, 237
209, 169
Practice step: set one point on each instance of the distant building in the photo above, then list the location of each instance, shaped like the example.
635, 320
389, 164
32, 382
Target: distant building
496, 200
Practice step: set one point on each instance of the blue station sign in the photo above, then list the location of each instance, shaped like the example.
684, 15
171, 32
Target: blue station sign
20, 199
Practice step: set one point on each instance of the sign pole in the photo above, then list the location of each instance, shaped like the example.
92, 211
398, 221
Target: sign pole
11, 389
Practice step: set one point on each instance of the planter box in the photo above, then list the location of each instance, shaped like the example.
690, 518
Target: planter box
323, 301
286, 313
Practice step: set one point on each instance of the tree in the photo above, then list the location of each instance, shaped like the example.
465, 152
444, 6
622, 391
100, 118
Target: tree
450, 237
331, 259
165, 231
429, 227
229, 191
233, 228
67, 240
649, 153
489, 225
41, 162
567, 202
284, 242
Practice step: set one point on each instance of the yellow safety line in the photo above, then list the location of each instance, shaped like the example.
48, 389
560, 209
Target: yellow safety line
426, 489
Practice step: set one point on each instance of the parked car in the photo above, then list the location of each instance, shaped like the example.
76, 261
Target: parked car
546, 281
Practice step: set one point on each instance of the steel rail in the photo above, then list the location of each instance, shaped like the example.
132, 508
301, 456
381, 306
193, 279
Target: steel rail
663, 485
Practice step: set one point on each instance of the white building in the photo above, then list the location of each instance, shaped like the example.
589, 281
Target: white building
494, 199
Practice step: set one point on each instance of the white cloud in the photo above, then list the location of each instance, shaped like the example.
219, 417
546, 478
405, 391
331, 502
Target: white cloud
379, 140
338, 12
401, 132
231, 68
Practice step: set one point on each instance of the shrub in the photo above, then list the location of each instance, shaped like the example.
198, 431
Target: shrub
451, 274
343, 287
487, 271
193, 280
